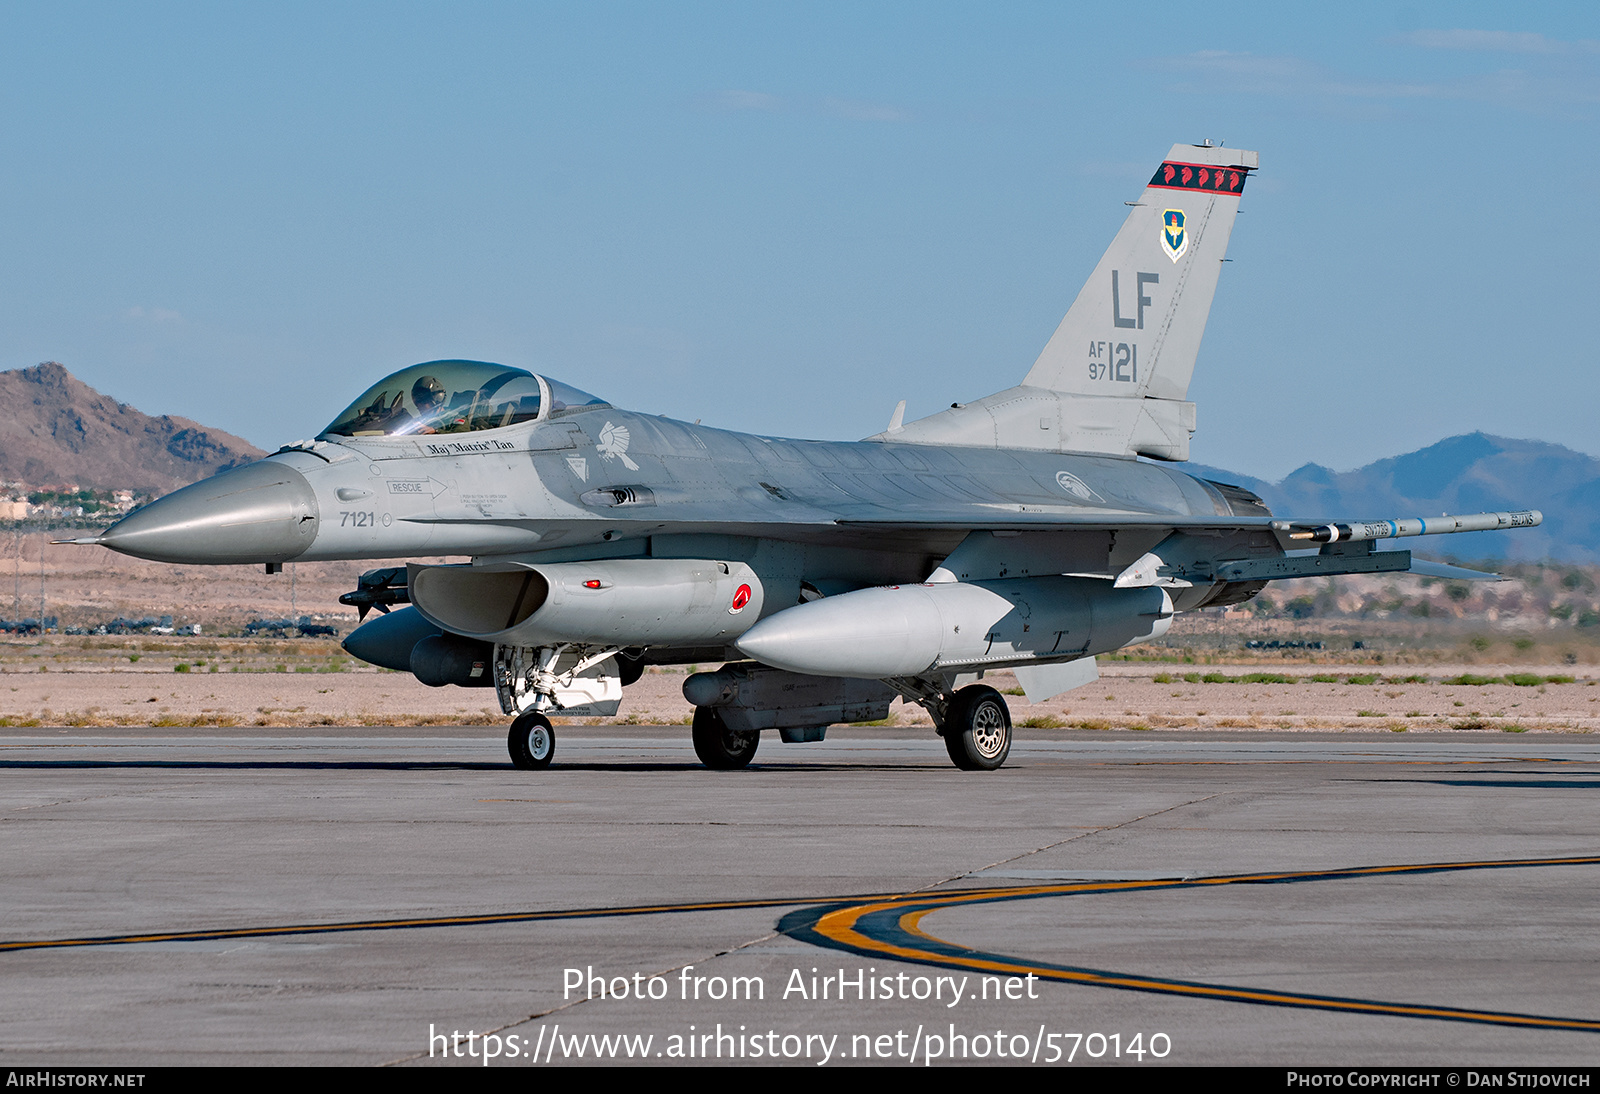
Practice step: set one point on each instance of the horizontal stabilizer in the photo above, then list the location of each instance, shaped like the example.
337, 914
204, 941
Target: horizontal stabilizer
1300, 564
1424, 568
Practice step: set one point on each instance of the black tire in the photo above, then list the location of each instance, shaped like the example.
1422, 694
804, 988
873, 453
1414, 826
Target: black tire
532, 741
977, 729
719, 747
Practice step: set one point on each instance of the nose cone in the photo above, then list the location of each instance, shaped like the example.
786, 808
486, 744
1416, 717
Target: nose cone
263, 512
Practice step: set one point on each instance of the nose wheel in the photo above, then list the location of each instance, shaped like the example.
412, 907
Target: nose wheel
977, 729
532, 741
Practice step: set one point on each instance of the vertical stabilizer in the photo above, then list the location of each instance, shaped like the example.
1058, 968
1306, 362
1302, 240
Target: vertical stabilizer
1114, 378
1135, 329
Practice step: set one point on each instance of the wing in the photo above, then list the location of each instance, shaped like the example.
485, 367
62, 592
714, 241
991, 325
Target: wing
1194, 553
1346, 548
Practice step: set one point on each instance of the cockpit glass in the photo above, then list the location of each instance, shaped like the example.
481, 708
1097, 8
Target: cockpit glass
452, 397
441, 397
567, 397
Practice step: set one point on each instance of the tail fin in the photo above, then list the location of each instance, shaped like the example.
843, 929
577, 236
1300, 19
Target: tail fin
1114, 377
1143, 311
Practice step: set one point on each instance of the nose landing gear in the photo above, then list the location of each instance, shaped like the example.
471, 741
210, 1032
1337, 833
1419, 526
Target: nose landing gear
534, 683
532, 741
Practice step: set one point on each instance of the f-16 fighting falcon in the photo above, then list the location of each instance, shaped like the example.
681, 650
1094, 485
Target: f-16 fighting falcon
1031, 529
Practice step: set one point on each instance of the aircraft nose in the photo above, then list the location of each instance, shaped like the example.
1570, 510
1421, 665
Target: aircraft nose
262, 512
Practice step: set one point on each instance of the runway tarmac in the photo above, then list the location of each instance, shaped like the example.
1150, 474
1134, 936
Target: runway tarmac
218, 896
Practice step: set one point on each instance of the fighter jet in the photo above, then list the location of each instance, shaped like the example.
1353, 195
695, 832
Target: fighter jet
1032, 529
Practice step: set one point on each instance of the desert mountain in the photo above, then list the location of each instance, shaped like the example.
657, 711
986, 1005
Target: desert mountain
1472, 473
55, 428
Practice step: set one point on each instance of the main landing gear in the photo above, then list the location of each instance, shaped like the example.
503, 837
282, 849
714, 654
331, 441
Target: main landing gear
977, 728
974, 722
719, 747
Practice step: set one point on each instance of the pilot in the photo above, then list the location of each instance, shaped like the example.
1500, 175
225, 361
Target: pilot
429, 396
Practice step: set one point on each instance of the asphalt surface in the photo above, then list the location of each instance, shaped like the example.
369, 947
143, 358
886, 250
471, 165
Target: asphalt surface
204, 896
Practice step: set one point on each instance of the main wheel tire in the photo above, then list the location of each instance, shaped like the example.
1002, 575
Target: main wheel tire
532, 741
719, 747
977, 729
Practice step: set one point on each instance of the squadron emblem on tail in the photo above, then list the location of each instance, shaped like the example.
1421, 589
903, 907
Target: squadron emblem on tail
1174, 240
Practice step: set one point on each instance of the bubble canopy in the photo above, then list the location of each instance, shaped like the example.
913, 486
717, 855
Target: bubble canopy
455, 397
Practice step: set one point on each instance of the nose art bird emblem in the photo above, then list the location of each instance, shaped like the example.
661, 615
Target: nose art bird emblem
614, 445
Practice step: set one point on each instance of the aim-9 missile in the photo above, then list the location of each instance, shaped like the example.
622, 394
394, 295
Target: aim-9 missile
1414, 526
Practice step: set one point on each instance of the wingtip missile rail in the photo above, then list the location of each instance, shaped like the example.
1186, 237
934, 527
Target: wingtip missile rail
1357, 531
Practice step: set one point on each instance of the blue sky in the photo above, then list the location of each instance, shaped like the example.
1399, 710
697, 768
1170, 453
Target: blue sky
785, 218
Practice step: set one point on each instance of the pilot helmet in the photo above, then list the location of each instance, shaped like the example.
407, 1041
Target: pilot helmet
427, 392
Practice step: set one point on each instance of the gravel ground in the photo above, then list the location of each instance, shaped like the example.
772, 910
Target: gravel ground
1128, 695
